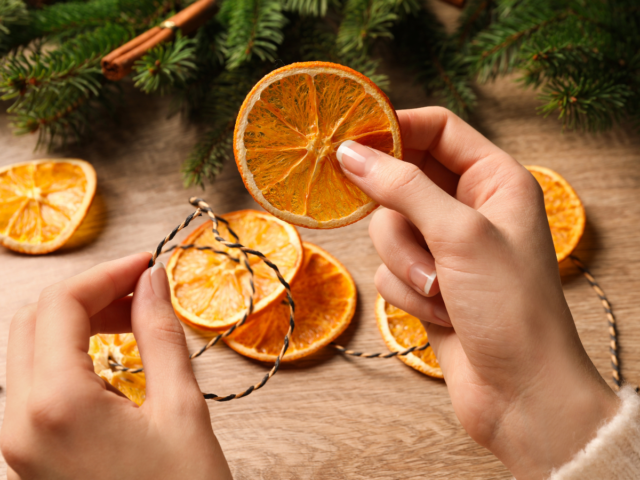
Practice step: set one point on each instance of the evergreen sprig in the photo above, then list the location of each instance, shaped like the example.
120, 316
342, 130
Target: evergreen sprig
583, 57
365, 21
14, 18
166, 65
52, 89
255, 29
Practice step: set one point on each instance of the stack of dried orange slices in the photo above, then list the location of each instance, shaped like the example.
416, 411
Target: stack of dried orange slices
211, 291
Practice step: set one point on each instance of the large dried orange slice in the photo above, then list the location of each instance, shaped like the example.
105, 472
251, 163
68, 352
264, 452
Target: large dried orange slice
401, 331
286, 137
212, 291
43, 202
325, 299
123, 349
564, 210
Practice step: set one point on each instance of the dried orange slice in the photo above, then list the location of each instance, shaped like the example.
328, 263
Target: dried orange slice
564, 210
211, 291
43, 202
400, 331
123, 349
287, 133
325, 298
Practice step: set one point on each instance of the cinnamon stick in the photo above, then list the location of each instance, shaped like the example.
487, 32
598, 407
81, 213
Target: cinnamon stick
119, 62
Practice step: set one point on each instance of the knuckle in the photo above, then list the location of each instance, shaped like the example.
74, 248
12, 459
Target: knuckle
24, 316
405, 178
169, 331
50, 412
16, 452
476, 229
51, 294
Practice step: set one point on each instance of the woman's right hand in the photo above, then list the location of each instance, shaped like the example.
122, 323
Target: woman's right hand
519, 378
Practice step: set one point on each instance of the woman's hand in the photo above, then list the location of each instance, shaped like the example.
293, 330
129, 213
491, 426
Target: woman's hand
62, 421
520, 381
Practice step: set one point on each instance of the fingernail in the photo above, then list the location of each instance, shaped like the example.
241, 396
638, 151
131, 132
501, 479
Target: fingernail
355, 158
422, 277
160, 282
441, 313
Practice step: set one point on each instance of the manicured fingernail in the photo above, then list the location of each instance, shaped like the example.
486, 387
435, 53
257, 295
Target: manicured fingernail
422, 277
160, 282
441, 312
355, 158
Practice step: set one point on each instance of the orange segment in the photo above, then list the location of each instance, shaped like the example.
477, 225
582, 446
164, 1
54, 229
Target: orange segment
123, 349
401, 331
43, 202
564, 210
325, 298
210, 291
286, 137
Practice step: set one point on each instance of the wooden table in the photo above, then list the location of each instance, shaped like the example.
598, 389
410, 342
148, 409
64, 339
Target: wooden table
328, 416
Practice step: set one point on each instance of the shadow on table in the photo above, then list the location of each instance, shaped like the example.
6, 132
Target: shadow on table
587, 251
90, 228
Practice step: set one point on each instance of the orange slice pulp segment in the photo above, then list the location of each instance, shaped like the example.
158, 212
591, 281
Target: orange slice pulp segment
287, 134
123, 349
564, 210
400, 331
43, 202
211, 291
325, 297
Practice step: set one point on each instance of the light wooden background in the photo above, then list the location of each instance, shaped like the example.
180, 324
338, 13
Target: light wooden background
331, 417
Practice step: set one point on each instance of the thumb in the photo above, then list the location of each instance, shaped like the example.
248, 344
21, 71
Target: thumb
403, 187
161, 339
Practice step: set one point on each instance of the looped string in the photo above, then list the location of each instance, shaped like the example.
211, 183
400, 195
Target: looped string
611, 320
353, 353
202, 206
616, 371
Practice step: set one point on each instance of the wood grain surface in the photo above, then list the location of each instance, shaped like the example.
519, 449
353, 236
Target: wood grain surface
328, 416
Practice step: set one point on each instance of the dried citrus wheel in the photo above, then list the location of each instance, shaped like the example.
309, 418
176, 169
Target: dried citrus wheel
43, 202
564, 210
123, 349
325, 298
286, 137
401, 331
212, 291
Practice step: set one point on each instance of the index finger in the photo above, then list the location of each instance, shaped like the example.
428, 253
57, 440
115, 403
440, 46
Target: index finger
448, 138
63, 325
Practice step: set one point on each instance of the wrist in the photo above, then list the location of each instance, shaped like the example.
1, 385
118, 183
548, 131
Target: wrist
548, 425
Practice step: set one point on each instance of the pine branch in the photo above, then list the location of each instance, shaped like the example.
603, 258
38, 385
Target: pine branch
14, 17
476, 16
227, 93
435, 59
363, 22
315, 8
166, 66
587, 106
317, 42
73, 66
64, 20
496, 50
52, 90
209, 155
255, 28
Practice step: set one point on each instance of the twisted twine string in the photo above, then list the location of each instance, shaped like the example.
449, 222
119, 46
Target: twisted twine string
606, 304
202, 206
353, 353
616, 372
